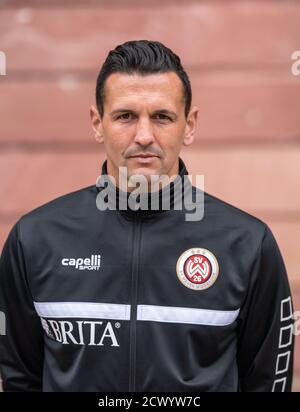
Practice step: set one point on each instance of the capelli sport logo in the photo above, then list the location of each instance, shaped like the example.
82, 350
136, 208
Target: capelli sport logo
91, 263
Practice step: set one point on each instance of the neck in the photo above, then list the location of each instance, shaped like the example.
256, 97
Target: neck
155, 202
150, 183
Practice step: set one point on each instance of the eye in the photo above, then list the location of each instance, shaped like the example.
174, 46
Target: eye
161, 116
124, 116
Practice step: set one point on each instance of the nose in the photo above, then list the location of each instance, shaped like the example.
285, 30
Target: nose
144, 133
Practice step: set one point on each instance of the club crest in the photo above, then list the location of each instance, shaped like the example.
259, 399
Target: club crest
197, 268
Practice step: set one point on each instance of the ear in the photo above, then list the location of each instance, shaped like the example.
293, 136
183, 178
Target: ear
190, 127
96, 124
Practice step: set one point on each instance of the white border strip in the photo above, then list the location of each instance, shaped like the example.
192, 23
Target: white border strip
186, 315
144, 313
82, 310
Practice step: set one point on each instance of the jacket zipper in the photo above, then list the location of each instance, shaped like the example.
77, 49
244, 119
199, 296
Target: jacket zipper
134, 296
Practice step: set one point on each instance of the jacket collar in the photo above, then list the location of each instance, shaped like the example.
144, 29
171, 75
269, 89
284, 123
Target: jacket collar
117, 199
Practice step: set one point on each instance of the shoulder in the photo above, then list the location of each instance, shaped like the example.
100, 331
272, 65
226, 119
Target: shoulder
60, 208
231, 217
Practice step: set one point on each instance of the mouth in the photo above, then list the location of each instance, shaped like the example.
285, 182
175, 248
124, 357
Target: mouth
144, 158
143, 155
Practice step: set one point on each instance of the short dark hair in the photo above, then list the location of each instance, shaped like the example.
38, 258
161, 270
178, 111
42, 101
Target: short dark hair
142, 57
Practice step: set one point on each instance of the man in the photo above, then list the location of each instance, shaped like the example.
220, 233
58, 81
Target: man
141, 298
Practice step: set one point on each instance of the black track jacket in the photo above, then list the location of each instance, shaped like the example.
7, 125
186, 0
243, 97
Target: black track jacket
123, 300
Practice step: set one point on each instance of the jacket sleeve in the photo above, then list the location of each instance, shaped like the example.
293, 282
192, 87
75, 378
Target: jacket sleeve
21, 337
266, 325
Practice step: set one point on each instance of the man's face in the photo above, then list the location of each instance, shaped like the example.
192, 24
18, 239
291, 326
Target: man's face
144, 126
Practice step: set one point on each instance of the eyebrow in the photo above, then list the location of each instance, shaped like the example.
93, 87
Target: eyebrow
163, 111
